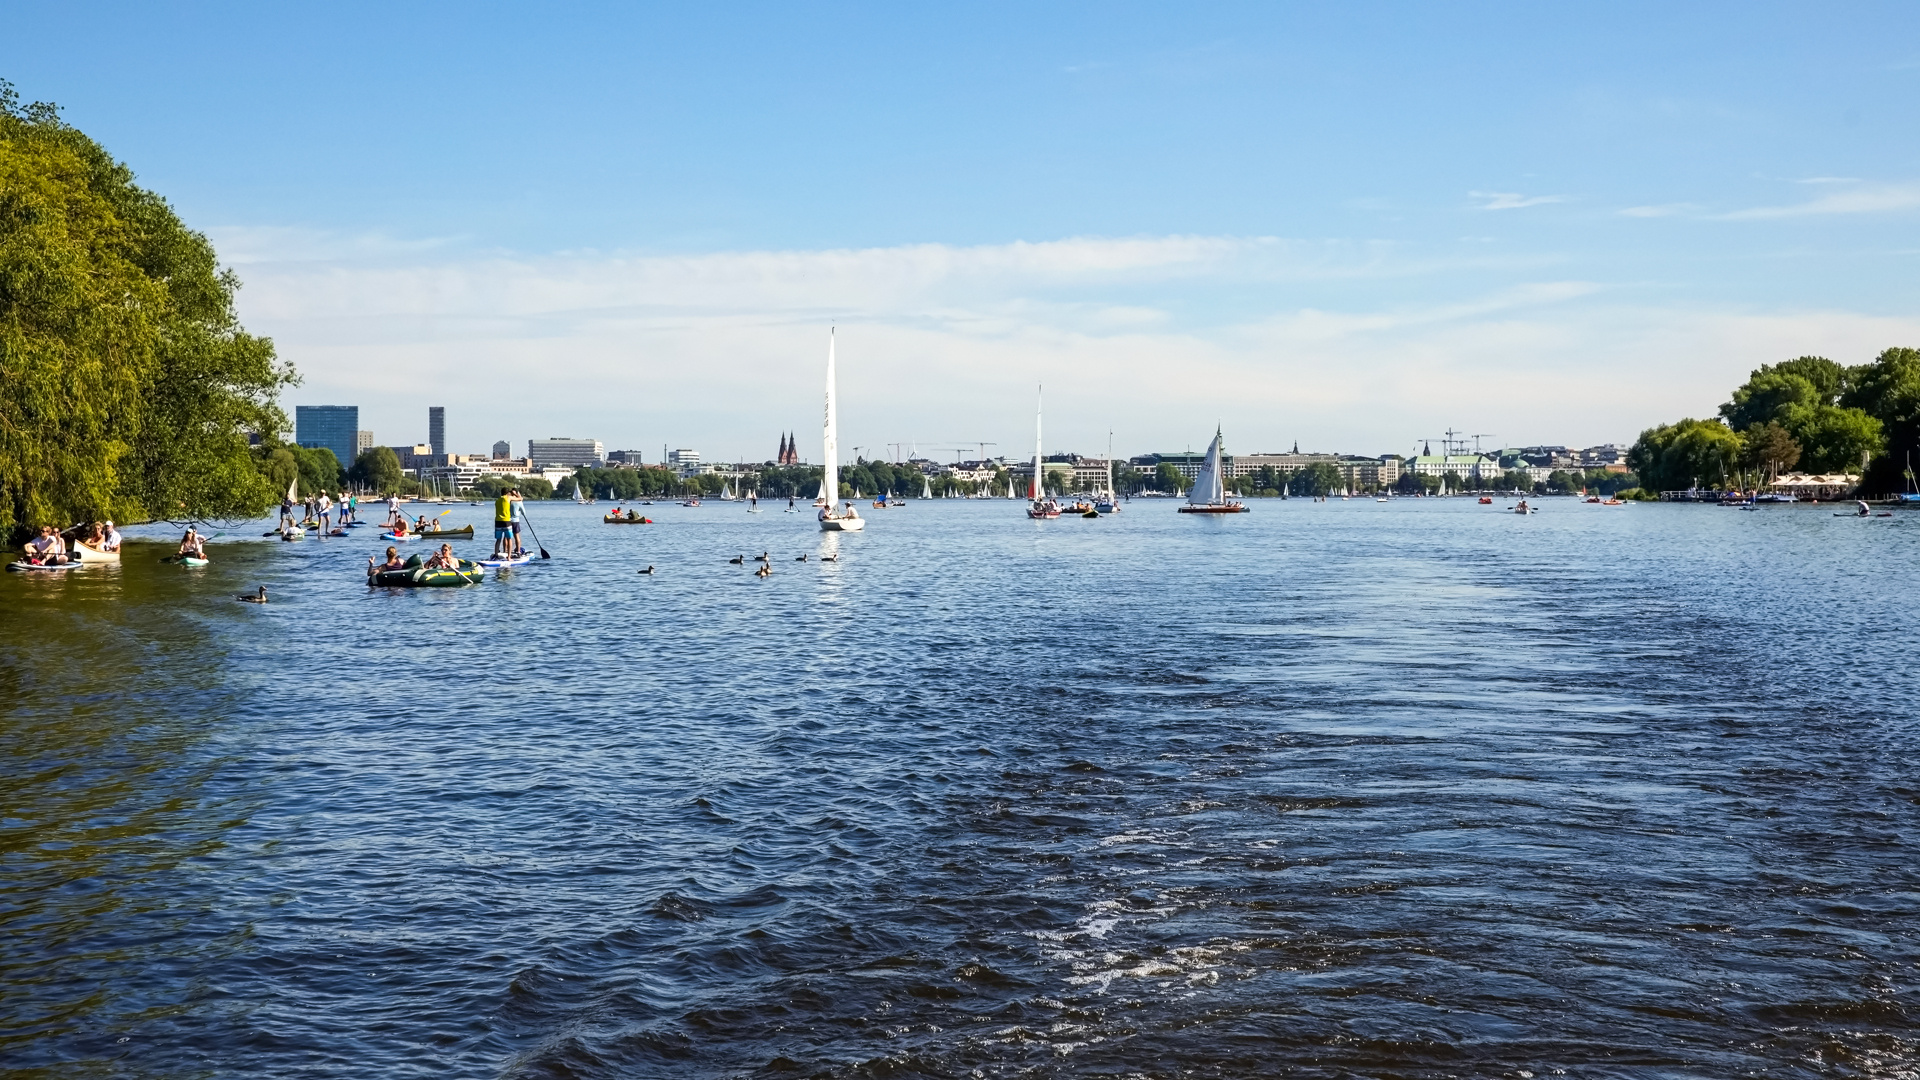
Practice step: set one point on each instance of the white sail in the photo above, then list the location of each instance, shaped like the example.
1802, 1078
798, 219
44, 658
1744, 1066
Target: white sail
1207, 489
926, 488
1035, 487
830, 473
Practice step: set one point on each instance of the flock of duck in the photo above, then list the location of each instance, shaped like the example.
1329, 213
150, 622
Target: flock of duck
766, 562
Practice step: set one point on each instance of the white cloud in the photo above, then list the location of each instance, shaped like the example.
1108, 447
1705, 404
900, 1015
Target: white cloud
1663, 210
1865, 199
1512, 200
724, 351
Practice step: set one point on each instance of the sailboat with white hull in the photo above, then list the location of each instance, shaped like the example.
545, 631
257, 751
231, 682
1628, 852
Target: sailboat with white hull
1208, 494
1038, 506
834, 518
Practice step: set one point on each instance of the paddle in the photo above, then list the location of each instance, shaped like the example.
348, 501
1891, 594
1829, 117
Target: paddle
530, 532
204, 539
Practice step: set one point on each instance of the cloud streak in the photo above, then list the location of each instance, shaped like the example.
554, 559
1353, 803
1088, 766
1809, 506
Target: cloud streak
1513, 200
1865, 199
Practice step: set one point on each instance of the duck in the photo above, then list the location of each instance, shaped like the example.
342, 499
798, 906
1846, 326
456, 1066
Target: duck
762, 557
255, 598
829, 558
737, 560
802, 558
766, 570
648, 570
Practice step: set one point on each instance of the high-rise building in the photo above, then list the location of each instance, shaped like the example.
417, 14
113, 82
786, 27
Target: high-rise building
361, 445
502, 450
336, 427
437, 428
573, 453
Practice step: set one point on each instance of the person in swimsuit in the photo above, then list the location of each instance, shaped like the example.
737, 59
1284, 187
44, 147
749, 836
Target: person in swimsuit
193, 545
443, 559
47, 549
394, 562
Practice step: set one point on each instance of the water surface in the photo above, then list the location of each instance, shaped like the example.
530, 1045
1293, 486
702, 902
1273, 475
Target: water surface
1328, 789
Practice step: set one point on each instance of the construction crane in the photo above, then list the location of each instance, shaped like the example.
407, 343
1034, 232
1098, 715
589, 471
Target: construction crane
958, 450
1476, 441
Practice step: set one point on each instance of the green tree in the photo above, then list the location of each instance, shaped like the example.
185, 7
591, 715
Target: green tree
1316, 480
1768, 449
1833, 439
127, 386
1683, 455
1169, 479
1888, 389
377, 469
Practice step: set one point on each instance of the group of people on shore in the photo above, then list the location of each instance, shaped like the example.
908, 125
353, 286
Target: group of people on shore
49, 548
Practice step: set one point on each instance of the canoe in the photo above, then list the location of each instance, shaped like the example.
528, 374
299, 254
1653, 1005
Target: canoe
435, 534
610, 519
87, 554
415, 575
22, 564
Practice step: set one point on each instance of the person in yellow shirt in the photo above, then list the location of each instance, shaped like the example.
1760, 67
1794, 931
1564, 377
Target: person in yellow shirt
506, 531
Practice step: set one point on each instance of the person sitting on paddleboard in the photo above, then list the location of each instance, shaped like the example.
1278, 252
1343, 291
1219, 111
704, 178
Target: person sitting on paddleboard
47, 549
443, 559
192, 546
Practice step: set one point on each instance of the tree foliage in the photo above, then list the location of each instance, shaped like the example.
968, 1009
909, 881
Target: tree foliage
1684, 455
127, 385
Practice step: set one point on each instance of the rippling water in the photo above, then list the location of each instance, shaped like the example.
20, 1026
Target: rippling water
1407, 789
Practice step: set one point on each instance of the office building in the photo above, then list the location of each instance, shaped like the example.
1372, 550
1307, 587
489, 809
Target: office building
502, 450
336, 427
683, 459
362, 444
571, 453
437, 428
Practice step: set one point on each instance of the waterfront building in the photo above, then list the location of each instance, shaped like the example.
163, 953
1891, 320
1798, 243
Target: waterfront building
1465, 466
570, 453
437, 428
502, 450
416, 457
632, 459
336, 427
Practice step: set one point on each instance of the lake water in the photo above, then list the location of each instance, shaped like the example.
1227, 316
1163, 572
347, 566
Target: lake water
1411, 789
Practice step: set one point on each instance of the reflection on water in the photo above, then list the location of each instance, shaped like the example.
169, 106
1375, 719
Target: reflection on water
1359, 788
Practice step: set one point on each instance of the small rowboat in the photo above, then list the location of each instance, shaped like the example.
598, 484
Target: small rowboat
435, 534
614, 519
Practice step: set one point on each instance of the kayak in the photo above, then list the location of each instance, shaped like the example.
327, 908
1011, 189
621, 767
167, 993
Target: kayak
22, 564
435, 534
415, 575
504, 560
399, 536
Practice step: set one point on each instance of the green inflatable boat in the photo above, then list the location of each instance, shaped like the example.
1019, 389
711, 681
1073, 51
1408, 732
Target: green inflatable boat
415, 575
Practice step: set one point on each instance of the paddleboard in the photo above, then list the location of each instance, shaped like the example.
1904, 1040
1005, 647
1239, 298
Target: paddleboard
518, 561
188, 560
22, 564
397, 537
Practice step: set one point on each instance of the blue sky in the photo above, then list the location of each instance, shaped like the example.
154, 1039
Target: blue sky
1351, 225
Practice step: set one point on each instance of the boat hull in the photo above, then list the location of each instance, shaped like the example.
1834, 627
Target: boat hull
90, 555
842, 524
419, 577
1229, 508
448, 534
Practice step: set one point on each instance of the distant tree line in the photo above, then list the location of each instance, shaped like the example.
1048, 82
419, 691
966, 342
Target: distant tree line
1809, 413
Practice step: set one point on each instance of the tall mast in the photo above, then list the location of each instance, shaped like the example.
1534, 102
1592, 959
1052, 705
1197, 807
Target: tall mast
830, 475
1036, 486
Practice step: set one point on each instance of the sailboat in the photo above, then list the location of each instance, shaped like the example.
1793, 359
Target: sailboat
726, 493
1037, 507
926, 488
833, 519
579, 493
1108, 503
1208, 493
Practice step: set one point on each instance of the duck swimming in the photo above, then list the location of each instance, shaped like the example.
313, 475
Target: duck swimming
257, 598
648, 570
737, 560
802, 558
766, 570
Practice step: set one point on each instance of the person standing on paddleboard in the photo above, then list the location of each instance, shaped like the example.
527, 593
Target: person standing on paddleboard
506, 531
325, 505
